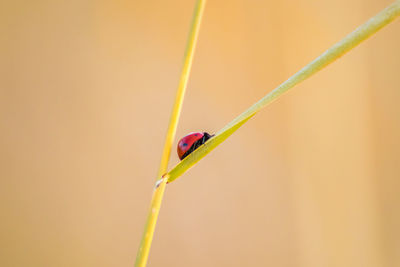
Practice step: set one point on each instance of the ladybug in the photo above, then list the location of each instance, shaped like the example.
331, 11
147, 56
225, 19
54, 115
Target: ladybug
191, 142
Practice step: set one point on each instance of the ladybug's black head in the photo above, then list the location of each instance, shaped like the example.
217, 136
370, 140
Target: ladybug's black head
206, 136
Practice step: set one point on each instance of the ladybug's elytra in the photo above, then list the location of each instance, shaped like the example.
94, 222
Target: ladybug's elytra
190, 142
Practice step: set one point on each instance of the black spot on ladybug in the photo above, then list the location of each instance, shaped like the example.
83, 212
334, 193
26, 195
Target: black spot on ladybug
184, 144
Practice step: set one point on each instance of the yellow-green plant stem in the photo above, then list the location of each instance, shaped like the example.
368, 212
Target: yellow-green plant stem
336, 51
144, 248
180, 93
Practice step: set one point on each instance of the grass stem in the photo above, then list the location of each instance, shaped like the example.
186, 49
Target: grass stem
144, 248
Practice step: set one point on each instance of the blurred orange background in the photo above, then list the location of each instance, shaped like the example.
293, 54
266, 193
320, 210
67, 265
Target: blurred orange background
86, 91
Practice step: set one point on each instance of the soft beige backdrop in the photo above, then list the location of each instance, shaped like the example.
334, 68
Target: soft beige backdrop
86, 89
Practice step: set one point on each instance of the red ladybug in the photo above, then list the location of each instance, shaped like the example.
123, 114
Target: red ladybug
190, 142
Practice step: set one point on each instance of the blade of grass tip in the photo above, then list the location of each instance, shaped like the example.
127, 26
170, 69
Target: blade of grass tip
336, 51
144, 248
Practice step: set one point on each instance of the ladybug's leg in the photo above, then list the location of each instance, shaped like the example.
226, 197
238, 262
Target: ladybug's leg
196, 145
